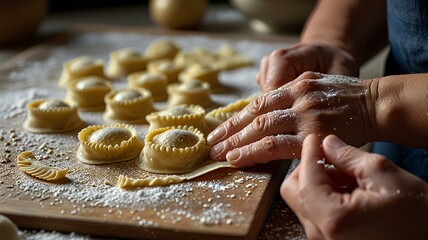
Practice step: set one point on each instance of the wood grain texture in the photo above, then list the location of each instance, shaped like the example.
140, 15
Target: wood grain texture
247, 195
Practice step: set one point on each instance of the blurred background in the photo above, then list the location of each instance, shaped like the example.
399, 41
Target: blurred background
24, 23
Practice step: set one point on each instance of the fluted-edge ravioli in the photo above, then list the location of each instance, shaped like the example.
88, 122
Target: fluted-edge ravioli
173, 150
201, 72
126, 61
167, 67
161, 49
51, 116
128, 105
88, 93
102, 144
190, 115
80, 67
221, 114
189, 92
28, 163
156, 83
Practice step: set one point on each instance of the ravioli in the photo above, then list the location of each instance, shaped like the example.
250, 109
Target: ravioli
125, 61
88, 93
167, 67
51, 116
81, 67
190, 115
173, 150
162, 49
154, 82
102, 144
128, 105
189, 92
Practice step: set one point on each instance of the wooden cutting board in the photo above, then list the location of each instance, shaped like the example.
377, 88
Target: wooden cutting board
225, 204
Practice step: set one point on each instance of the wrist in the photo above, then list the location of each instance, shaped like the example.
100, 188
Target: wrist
400, 105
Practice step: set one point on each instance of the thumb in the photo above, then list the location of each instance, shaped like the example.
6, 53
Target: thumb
353, 161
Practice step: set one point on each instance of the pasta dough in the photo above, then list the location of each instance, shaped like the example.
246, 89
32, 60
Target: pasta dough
129, 183
189, 92
81, 67
125, 61
88, 93
162, 49
173, 150
101, 144
28, 163
190, 115
154, 82
8, 229
167, 67
128, 105
51, 116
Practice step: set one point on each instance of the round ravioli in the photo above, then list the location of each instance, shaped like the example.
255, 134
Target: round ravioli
125, 61
167, 67
154, 82
173, 150
128, 105
162, 49
81, 67
101, 144
190, 115
51, 116
190, 92
88, 93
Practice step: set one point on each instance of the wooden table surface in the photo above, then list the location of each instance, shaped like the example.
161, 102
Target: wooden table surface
281, 222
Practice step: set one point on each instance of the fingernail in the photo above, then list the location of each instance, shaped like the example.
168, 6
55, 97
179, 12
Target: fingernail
216, 135
216, 150
335, 142
233, 155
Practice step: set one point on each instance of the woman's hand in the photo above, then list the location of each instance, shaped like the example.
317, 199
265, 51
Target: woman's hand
387, 203
284, 65
274, 125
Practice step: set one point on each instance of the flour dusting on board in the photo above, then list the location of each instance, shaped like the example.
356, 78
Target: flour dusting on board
212, 200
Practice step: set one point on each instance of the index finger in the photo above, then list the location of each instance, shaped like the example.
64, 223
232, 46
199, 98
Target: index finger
274, 100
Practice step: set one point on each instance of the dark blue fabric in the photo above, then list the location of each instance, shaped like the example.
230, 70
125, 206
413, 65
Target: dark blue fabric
408, 38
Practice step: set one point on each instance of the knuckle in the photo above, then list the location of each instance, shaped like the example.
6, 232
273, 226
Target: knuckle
380, 163
279, 52
257, 105
305, 86
232, 124
309, 75
269, 145
261, 123
234, 141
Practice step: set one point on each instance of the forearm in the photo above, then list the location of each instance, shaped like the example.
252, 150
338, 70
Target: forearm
400, 109
357, 26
